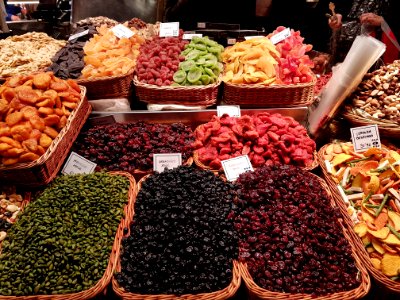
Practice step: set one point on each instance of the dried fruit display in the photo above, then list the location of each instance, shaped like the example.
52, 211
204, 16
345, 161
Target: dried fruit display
294, 66
202, 64
369, 184
181, 241
265, 138
108, 55
62, 241
10, 206
289, 235
250, 62
378, 95
95, 22
159, 59
130, 146
33, 110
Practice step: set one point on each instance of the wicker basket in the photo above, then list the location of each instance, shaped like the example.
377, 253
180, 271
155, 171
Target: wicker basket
102, 284
279, 95
198, 95
256, 292
44, 169
386, 128
225, 293
381, 279
108, 87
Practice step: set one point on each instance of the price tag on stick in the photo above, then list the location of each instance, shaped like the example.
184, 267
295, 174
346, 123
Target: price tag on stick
78, 35
121, 31
169, 29
166, 160
77, 164
231, 110
365, 137
275, 39
233, 167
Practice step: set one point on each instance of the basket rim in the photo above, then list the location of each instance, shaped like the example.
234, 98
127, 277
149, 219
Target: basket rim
114, 254
270, 86
225, 293
359, 292
363, 254
104, 78
139, 84
43, 158
383, 124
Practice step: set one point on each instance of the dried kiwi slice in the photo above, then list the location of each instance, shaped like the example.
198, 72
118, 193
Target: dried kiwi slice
205, 79
194, 74
214, 49
186, 51
200, 47
187, 65
209, 72
194, 54
200, 61
179, 76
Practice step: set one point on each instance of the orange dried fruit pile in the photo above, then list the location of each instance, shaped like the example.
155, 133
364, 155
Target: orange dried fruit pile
108, 55
33, 110
369, 183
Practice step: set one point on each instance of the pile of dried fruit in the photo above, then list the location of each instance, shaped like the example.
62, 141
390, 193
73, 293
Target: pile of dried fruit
369, 183
33, 110
202, 64
289, 235
95, 22
181, 241
62, 241
130, 146
265, 138
378, 95
10, 206
294, 66
159, 59
108, 55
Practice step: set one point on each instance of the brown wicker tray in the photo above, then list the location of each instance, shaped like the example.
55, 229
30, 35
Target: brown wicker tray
201, 95
44, 169
108, 87
386, 128
102, 284
256, 292
226, 293
279, 95
382, 279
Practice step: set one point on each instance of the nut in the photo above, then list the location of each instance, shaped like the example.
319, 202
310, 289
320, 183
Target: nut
374, 92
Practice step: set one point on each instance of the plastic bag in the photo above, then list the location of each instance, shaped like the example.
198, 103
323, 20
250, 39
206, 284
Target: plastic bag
118, 104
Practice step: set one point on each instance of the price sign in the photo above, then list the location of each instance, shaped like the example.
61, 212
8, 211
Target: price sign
365, 137
189, 36
166, 160
275, 39
77, 164
231, 110
78, 35
233, 167
231, 41
169, 29
106, 120
121, 31
201, 25
253, 37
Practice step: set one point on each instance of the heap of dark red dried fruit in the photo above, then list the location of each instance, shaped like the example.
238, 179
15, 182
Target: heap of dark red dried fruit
130, 146
289, 235
181, 241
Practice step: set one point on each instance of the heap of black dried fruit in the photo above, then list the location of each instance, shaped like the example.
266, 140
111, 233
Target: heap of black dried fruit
289, 234
180, 240
130, 146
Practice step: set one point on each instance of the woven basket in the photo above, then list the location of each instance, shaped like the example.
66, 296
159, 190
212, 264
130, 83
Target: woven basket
380, 278
256, 292
225, 293
102, 284
386, 128
108, 87
44, 169
198, 95
276, 95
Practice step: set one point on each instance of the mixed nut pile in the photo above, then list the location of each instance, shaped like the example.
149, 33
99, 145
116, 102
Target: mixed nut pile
10, 206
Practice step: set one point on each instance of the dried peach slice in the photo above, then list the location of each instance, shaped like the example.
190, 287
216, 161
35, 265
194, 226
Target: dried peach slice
392, 240
395, 218
377, 246
45, 141
9, 161
381, 233
51, 132
361, 229
42, 81
391, 265
27, 157
14, 118
376, 262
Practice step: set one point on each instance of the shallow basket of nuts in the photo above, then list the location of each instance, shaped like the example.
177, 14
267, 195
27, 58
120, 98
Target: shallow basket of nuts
377, 101
36, 138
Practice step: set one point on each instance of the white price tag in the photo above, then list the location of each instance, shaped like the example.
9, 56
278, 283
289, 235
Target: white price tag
275, 39
231, 110
189, 36
166, 160
201, 25
169, 29
231, 41
121, 31
253, 37
233, 167
77, 164
365, 137
78, 35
